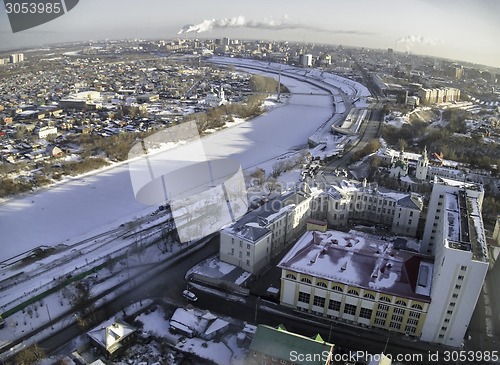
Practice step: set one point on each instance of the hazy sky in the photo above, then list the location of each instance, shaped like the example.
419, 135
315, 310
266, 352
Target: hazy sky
458, 29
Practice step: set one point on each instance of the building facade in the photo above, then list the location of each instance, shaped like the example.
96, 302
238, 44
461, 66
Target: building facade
358, 279
251, 242
441, 95
454, 235
354, 201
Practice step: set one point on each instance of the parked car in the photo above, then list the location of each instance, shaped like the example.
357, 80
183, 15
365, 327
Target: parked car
189, 295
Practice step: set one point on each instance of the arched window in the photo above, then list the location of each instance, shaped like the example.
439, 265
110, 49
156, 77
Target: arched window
353, 292
321, 284
417, 306
337, 288
291, 276
306, 280
369, 296
401, 302
385, 299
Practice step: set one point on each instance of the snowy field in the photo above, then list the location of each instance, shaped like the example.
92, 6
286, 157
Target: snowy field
93, 204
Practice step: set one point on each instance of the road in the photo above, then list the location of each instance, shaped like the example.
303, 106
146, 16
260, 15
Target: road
369, 131
352, 338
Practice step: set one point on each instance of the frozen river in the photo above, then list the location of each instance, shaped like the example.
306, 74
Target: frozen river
93, 203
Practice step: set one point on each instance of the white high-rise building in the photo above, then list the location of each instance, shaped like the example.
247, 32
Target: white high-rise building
16, 57
454, 235
306, 60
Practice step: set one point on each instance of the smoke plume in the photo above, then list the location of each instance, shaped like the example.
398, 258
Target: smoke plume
413, 39
240, 22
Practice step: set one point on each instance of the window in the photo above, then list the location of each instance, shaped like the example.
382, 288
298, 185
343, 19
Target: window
352, 292
410, 329
450, 312
383, 307
350, 309
232, 251
455, 295
291, 276
306, 280
458, 286
248, 262
240, 254
417, 306
369, 296
444, 328
365, 313
248, 246
248, 253
337, 288
414, 315
304, 297
321, 284
319, 301
413, 322
385, 299
334, 305
452, 304
447, 320
381, 314
463, 268
401, 302
395, 325
409, 221
379, 321
411, 213
395, 318
460, 277
399, 311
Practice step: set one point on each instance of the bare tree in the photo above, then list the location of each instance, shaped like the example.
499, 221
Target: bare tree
30, 356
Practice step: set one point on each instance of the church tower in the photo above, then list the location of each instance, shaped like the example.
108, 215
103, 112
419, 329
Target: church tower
422, 166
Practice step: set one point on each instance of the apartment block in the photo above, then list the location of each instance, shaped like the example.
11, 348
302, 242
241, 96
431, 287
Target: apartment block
352, 200
455, 236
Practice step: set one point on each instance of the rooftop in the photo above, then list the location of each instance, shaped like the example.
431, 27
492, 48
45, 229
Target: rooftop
252, 226
345, 188
464, 224
110, 334
361, 260
279, 343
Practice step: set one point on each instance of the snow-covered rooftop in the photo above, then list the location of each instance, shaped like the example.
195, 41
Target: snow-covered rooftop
253, 225
360, 260
344, 188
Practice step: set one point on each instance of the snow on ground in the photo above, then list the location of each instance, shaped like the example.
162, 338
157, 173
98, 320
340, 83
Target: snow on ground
84, 205
155, 323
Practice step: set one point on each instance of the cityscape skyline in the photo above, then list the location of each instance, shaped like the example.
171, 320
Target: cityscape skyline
460, 30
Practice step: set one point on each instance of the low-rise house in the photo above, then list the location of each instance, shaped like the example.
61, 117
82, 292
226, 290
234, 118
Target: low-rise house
112, 336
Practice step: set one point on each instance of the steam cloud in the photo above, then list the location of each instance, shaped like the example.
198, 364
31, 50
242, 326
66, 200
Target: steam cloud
412, 39
240, 22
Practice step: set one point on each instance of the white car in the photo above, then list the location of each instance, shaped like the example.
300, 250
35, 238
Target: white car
189, 296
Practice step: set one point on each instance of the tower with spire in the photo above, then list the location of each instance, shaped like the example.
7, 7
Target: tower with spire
422, 166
